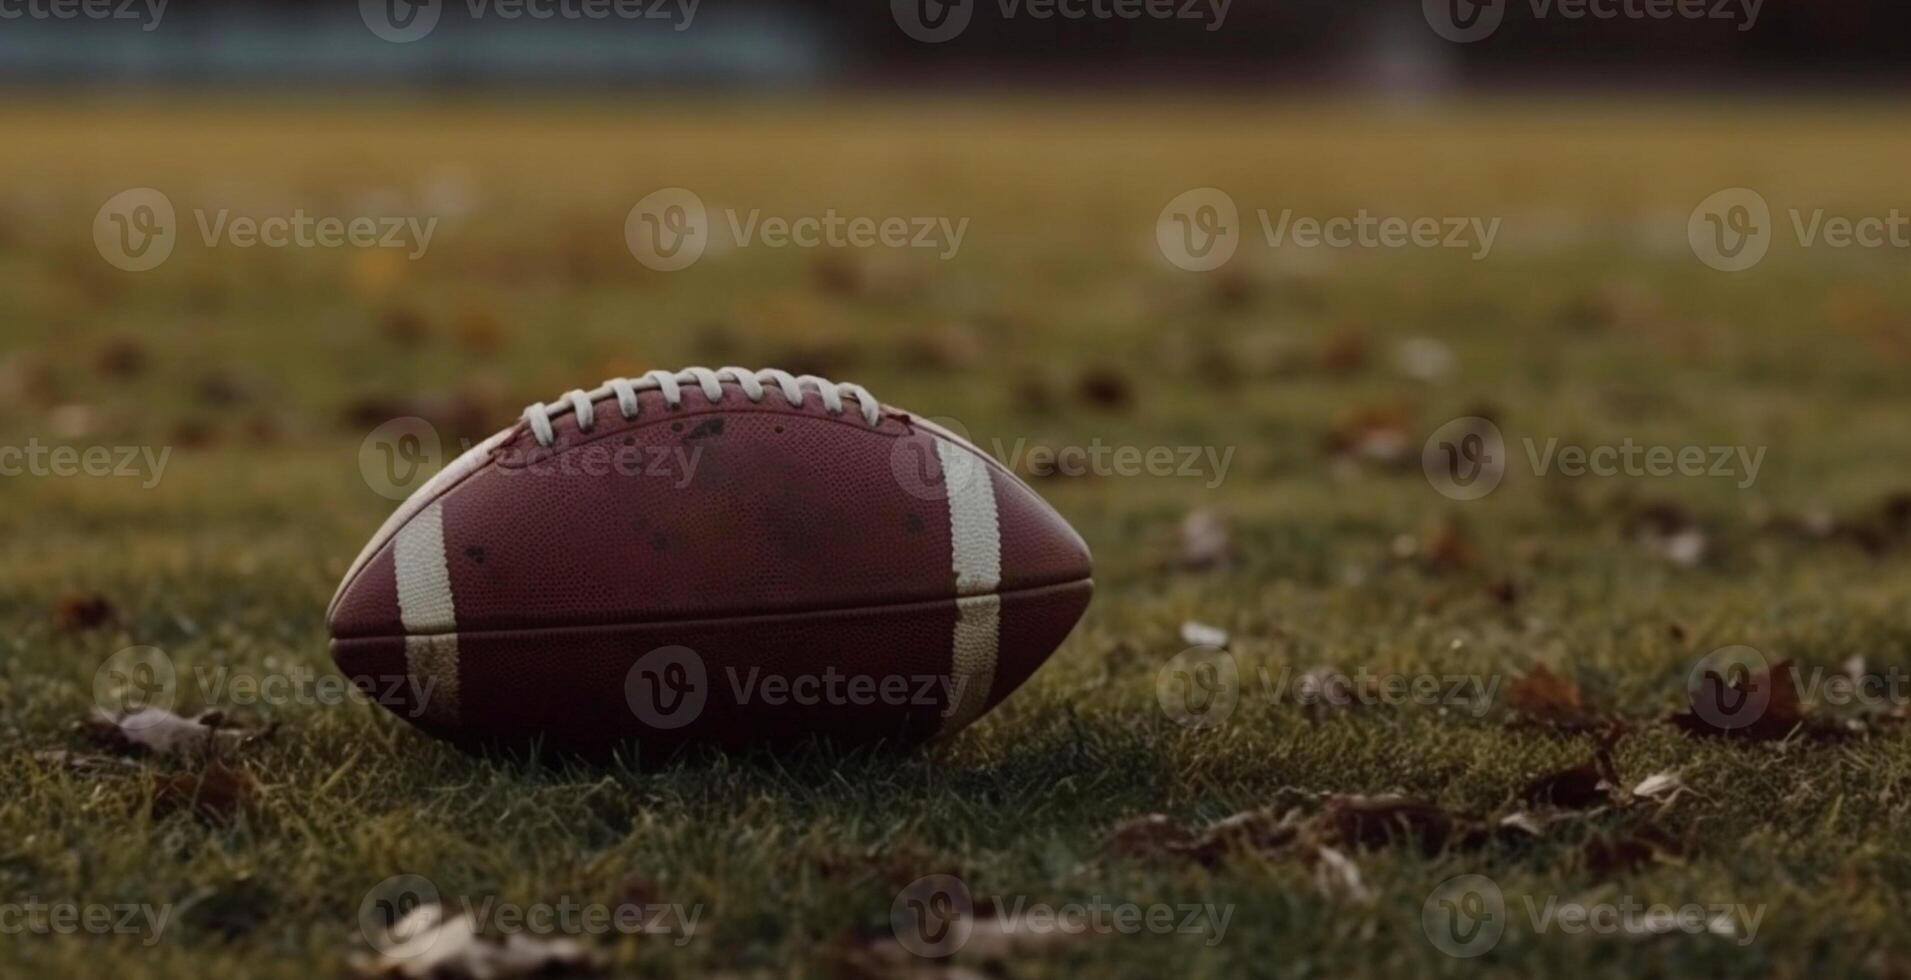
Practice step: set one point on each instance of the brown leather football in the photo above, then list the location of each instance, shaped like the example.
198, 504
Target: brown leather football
725, 556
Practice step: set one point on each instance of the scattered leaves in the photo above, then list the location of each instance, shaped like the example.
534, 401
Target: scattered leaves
430, 944
77, 611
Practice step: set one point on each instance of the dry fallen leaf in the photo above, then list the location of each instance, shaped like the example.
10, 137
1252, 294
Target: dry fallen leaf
217, 793
1581, 787
161, 732
1542, 697
1720, 708
1205, 542
1197, 634
1104, 388
76, 611
430, 944
1663, 787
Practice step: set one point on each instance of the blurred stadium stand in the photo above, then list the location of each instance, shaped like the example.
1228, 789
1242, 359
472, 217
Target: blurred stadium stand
731, 43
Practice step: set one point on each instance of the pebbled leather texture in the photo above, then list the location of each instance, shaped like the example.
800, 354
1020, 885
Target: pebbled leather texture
760, 535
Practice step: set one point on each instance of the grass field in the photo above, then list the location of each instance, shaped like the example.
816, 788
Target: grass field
1057, 323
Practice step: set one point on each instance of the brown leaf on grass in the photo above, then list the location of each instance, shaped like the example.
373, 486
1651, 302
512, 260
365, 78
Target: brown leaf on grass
1232, 287
121, 359
480, 330
1357, 821
163, 733
1759, 706
1447, 548
216, 793
1345, 352
1205, 542
1542, 697
1148, 834
432, 944
1580, 787
1374, 434
1105, 388
77, 611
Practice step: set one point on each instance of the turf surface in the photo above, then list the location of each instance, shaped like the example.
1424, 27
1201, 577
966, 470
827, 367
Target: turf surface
1057, 323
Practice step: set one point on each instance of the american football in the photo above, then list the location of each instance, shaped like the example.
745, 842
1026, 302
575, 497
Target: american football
806, 560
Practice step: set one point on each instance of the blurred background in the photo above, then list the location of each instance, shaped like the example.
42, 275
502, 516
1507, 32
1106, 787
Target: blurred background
265, 266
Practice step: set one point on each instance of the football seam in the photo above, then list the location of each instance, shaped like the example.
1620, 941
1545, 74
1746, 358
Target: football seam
728, 619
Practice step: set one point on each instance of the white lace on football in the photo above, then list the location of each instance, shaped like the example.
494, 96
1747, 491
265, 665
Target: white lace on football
582, 403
